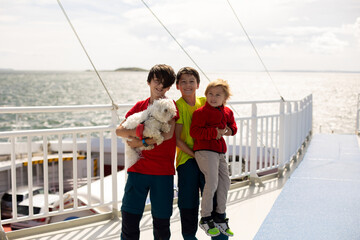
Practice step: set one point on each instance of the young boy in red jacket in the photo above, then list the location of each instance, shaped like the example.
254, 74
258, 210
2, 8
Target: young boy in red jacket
209, 124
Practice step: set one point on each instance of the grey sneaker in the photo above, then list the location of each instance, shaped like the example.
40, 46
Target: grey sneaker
223, 226
209, 227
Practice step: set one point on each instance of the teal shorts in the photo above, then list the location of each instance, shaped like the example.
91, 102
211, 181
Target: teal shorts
161, 188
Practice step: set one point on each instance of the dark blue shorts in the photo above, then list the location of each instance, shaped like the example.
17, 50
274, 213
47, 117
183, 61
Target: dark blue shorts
161, 188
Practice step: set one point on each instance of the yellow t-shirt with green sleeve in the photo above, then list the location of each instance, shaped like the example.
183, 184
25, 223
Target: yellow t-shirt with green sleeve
185, 116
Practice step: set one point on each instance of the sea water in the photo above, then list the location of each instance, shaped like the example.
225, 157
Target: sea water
334, 95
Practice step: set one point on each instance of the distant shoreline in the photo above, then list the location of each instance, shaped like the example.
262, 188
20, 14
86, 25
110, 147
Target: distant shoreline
136, 69
6, 70
123, 69
131, 69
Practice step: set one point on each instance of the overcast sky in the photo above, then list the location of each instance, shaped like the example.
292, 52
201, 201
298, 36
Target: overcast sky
288, 34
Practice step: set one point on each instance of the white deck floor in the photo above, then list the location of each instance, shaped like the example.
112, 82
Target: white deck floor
321, 199
247, 208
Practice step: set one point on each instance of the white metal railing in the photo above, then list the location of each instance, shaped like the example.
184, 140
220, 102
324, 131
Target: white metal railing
263, 143
357, 120
11, 136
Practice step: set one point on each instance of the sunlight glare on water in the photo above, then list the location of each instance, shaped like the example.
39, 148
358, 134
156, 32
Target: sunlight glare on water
334, 95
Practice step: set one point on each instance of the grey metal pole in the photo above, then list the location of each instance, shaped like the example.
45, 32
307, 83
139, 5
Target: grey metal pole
2, 233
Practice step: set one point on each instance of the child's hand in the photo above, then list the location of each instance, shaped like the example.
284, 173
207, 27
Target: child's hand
134, 142
220, 133
228, 131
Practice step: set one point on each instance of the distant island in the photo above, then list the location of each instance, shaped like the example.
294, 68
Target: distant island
131, 69
6, 70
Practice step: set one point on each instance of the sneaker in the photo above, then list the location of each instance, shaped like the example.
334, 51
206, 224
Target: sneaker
223, 226
209, 227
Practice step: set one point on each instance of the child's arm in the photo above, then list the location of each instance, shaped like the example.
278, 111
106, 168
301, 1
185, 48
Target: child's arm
128, 133
231, 124
199, 130
125, 133
136, 142
180, 143
169, 134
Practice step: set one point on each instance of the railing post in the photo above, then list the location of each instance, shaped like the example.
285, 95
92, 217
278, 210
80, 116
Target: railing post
115, 209
253, 154
30, 176
301, 112
61, 171
2, 233
46, 174
75, 171
308, 116
233, 169
288, 134
357, 127
303, 120
281, 140
296, 129
13, 178
311, 113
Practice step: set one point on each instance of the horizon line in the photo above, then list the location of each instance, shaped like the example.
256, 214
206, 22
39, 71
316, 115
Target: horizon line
114, 70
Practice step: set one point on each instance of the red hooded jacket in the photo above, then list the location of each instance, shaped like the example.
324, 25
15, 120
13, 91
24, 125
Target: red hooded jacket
204, 122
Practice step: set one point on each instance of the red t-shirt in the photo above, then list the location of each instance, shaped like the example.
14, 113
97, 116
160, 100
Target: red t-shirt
160, 160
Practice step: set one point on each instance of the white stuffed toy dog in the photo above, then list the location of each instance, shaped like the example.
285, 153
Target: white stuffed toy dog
155, 119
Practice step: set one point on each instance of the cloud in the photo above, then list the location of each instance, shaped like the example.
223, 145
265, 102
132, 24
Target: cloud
6, 19
119, 32
298, 19
327, 43
196, 49
299, 31
357, 26
356, 30
195, 34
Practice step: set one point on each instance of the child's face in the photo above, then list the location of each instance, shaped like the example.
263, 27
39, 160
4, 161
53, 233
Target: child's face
187, 85
156, 88
216, 96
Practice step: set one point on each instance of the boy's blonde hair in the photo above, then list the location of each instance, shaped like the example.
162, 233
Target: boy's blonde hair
220, 83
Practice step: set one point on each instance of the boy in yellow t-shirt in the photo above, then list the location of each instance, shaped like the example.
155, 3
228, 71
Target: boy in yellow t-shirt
190, 178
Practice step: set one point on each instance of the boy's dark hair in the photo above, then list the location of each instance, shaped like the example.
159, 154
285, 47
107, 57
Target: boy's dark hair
164, 73
187, 70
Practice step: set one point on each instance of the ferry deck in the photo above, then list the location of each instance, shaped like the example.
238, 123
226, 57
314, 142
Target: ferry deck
316, 198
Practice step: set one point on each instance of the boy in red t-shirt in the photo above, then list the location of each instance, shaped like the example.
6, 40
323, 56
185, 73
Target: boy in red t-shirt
154, 170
